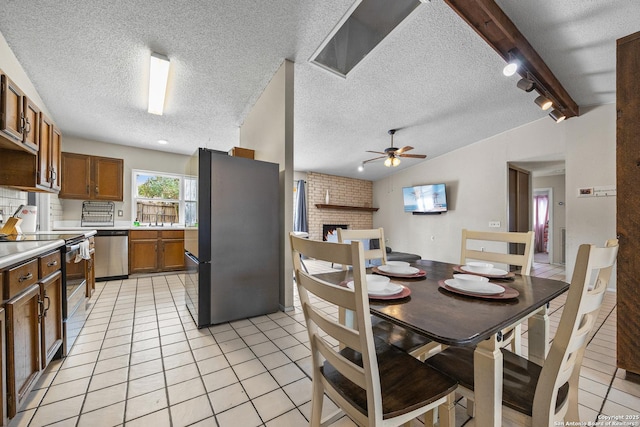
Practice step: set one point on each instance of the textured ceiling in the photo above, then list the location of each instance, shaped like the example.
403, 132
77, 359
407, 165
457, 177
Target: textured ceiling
433, 78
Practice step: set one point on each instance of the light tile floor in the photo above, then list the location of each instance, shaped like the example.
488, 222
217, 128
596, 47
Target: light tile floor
140, 361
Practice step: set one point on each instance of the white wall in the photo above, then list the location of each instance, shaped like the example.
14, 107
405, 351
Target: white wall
476, 178
268, 129
134, 158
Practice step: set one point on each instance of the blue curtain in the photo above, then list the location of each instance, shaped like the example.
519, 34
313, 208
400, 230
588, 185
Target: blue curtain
300, 219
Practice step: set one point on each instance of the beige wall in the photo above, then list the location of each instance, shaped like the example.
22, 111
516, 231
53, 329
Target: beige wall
342, 191
134, 158
476, 178
268, 129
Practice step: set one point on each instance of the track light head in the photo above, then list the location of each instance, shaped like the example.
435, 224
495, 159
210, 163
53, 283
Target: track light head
511, 68
557, 116
543, 102
526, 84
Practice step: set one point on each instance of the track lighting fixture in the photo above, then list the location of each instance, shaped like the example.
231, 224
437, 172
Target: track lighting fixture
557, 116
511, 67
543, 102
526, 84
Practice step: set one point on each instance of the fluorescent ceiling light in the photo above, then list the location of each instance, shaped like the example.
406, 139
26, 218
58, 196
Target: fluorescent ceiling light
158, 76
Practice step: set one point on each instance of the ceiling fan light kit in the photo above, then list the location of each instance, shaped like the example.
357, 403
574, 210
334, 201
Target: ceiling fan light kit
391, 155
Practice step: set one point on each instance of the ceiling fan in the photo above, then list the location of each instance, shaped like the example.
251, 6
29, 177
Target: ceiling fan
392, 154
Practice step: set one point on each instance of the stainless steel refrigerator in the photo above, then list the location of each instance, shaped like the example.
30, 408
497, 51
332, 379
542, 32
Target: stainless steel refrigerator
232, 252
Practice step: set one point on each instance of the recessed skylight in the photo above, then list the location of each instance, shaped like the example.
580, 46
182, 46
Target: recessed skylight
364, 26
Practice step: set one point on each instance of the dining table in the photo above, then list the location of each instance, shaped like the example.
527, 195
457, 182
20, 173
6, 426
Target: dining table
428, 307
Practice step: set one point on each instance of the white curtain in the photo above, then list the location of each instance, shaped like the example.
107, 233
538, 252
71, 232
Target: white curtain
300, 220
541, 216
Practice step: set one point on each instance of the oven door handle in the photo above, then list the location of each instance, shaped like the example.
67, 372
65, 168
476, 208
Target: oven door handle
72, 248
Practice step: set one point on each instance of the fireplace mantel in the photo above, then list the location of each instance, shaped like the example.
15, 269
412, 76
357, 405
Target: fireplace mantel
346, 208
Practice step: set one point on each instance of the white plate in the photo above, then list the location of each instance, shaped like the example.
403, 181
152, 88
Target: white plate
493, 272
390, 289
479, 288
398, 263
392, 269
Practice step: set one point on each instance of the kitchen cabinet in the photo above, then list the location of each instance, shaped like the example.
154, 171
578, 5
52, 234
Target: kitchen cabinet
23, 346
628, 204
91, 177
34, 329
90, 268
3, 366
49, 155
18, 118
152, 251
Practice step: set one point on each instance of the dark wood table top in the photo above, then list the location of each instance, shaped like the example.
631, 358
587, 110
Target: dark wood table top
455, 319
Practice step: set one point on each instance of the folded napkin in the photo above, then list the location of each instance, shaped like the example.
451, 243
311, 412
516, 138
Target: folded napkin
84, 251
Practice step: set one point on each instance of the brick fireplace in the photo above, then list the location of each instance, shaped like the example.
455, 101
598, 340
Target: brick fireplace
342, 191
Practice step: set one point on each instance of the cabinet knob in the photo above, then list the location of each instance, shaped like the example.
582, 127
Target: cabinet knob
52, 263
96, 189
87, 189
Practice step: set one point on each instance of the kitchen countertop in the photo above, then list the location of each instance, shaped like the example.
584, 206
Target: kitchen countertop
15, 252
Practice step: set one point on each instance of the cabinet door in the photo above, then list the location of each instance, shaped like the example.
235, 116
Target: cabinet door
51, 328
76, 175
31, 124
12, 119
172, 254
91, 275
23, 346
107, 178
44, 157
143, 256
3, 368
56, 158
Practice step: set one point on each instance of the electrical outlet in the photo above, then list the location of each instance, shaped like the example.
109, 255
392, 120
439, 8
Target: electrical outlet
120, 213
494, 224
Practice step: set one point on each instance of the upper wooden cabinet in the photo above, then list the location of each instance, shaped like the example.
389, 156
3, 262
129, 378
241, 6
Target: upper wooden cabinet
91, 177
18, 118
30, 143
49, 160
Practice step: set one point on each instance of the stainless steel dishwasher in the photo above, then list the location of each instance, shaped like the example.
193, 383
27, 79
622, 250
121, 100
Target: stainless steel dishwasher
112, 254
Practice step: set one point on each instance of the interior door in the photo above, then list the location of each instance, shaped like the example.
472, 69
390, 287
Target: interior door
519, 201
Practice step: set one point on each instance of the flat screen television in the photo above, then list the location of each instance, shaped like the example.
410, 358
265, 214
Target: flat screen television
431, 198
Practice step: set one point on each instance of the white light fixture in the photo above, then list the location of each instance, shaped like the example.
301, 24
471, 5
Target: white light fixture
543, 102
163, 141
557, 116
387, 162
395, 162
361, 167
511, 68
158, 76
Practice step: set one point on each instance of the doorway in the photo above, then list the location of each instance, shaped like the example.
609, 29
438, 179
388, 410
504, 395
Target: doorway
542, 204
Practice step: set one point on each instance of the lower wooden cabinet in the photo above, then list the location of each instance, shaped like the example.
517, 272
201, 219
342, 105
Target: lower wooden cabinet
51, 316
23, 346
3, 367
152, 251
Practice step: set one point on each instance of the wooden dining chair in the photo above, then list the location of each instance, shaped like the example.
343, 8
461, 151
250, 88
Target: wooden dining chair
547, 395
348, 235
472, 241
374, 383
411, 342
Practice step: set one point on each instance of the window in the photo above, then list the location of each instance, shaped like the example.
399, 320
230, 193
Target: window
160, 198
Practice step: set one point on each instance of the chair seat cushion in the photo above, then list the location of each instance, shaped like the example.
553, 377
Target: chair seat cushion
405, 382
402, 338
520, 376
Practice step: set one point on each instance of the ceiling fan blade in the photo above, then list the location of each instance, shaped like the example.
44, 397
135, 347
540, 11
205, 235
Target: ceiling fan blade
376, 152
414, 156
375, 158
403, 149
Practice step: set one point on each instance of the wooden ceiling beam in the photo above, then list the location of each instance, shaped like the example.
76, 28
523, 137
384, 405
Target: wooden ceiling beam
495, 27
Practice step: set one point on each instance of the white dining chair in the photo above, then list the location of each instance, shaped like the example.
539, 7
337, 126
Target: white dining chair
474, 247
546, 395
411, 342
372, 382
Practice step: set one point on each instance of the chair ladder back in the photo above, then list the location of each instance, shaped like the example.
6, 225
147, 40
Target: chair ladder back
369, 254
360, 339
578, 318
524, 261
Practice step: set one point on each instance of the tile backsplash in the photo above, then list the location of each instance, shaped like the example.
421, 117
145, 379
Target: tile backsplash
10, 199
